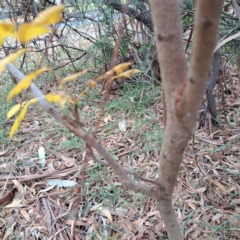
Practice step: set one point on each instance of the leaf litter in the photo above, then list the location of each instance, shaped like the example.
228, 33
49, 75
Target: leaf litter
206, 197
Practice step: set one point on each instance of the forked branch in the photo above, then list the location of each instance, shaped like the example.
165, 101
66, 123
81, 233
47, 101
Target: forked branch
183, 94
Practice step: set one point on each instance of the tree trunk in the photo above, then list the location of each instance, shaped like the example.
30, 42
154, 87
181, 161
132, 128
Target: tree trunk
183, 92
183, 95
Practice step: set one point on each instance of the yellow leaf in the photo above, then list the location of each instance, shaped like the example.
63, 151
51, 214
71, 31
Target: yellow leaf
74, 76
10, 58
7, 29
20, 117
49, 16
53, 97
14, 110
25, 83
109, 73
128, 73
59, 98
28, 31
121, 67
92, 83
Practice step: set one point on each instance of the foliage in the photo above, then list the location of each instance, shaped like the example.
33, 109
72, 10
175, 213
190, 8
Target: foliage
50, 16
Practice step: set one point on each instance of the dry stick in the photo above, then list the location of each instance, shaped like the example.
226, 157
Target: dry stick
45, 51
28, 6
127, 152
107, 90
189, 39
76, 128
49, 218
195, 158
63, 47
73, 60
183, 95
107, 87
112, 64
130, 172
54, 174
108, 80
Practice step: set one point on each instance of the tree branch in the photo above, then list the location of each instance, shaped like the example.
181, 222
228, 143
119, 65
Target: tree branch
143, 17
206, 26
130, 172
168, 38
75, 127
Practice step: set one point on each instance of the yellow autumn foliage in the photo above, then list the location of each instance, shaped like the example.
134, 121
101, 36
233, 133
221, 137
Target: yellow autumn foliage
7, 29
121, 67
128, 73
10, 58
62, 98
52, 97
28, 31
25, 83
20, 117
74, 76
82, 94
118, 69
51, 15
14, 110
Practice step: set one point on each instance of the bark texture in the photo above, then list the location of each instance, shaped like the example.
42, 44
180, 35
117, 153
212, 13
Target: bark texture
183, 91
211, 104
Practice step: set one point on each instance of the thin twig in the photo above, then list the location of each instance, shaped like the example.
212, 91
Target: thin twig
195, 158
130, 172
76, 128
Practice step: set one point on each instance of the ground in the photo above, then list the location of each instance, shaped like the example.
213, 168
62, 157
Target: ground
206, 198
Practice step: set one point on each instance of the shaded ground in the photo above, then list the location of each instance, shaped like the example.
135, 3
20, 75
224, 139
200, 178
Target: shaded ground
206, 197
